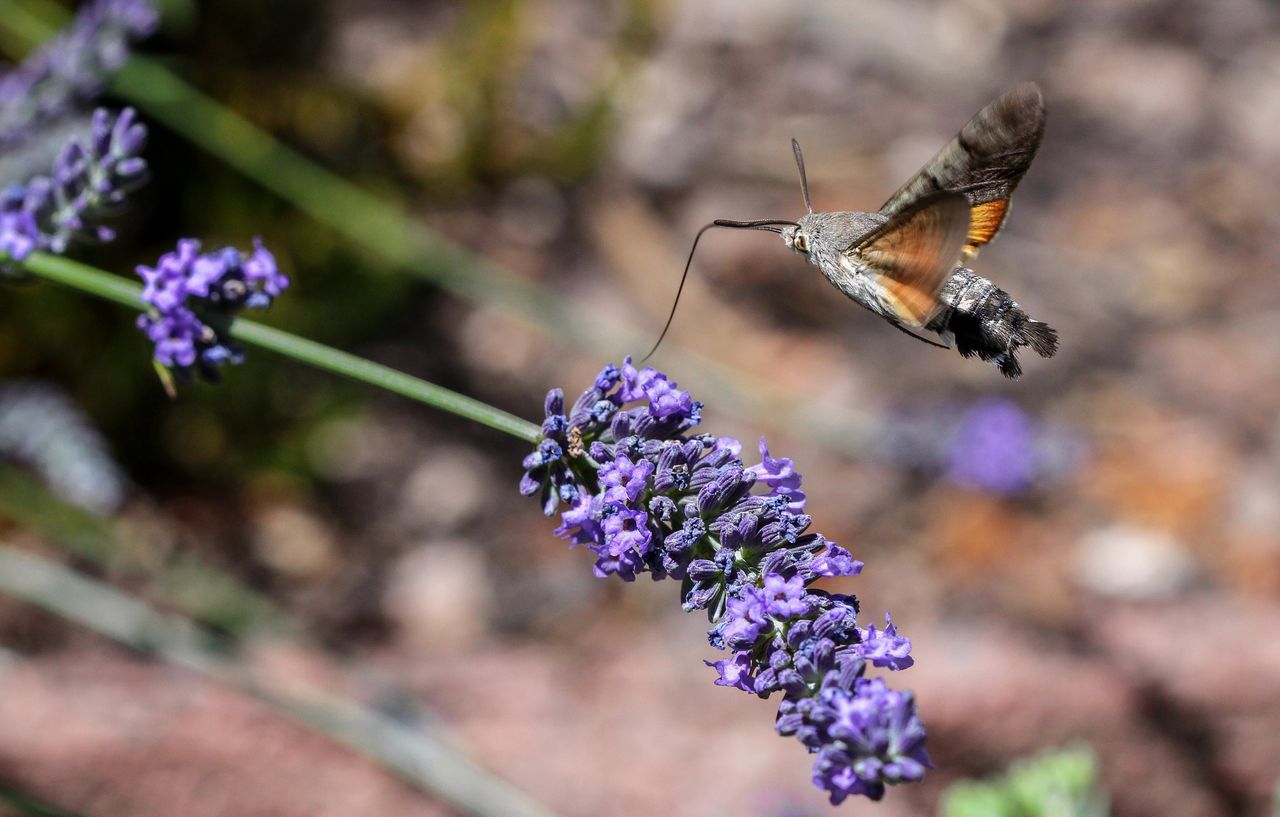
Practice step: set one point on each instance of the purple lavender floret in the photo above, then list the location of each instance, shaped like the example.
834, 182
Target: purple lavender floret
193, 296
647, 495
734, 672
886, 648
71, 69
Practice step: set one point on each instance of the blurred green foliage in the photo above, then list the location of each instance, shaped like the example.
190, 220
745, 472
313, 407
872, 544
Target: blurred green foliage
1058, 783
27, 806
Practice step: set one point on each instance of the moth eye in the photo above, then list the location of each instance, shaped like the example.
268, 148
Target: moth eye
800, 242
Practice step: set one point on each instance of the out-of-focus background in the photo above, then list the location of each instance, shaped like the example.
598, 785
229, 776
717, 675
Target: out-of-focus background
1091, 553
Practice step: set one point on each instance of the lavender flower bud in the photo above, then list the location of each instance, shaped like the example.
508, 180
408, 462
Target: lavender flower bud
702, 570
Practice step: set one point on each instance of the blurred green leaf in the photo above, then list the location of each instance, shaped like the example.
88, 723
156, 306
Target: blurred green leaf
1058, 783
27, 806
28, 504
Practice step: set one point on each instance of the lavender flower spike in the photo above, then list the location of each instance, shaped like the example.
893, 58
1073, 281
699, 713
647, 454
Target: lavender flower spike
646, 495
192, 298
89, 182
70, 70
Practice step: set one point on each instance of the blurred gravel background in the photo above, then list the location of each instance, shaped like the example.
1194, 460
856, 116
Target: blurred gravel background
1111, 575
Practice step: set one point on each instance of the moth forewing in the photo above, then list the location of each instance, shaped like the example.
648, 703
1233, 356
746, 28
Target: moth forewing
909, 258
903, 262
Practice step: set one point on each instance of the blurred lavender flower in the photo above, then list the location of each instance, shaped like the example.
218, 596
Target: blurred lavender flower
70, 69
994, 449
35, 156
646, 495
992, 445
90, 180
19, 235
192, 298
42, 429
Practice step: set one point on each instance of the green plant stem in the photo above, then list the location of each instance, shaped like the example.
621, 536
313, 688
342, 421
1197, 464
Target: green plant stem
127, 293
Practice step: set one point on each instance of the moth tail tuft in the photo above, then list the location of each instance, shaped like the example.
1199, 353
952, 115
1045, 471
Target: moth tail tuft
1040, 336
986, 323
1008, 365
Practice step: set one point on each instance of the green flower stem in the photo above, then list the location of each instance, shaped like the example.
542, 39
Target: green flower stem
375, 374
127, 293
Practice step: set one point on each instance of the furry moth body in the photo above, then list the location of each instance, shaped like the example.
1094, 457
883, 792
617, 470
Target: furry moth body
907, 262
903, 262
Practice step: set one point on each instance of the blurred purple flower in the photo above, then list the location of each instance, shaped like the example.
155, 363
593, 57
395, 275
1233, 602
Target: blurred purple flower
19, 236
991, 445
994, 449
177, 334
71, 69
89, 181
648, 496
193, 295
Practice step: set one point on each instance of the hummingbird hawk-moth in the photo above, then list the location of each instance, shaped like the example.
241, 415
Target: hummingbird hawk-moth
906, 262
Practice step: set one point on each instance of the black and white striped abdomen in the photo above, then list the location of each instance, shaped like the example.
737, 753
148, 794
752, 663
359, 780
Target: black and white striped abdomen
982, 320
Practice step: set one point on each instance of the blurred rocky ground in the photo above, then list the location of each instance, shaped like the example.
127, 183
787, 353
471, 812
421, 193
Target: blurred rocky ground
1111, 573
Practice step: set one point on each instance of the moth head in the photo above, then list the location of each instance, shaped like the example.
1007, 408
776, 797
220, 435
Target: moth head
796, 238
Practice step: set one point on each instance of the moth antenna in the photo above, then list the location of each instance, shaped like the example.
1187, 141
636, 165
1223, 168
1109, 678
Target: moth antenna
804, 180
769, 224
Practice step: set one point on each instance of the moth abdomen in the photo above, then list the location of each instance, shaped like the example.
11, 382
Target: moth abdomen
986, 323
